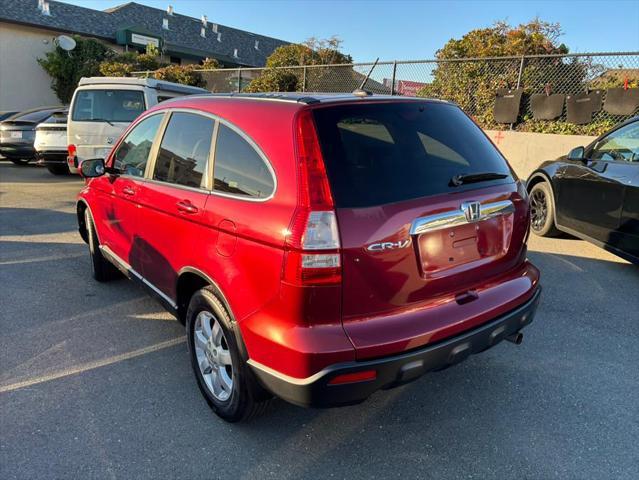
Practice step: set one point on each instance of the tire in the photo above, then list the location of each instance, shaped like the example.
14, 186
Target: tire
58, 169
102, 269
542, 211
220, 367
20, 161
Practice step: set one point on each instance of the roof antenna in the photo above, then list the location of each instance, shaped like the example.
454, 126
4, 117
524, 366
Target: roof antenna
360, 92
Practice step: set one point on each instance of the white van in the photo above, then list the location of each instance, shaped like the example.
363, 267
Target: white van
103, 107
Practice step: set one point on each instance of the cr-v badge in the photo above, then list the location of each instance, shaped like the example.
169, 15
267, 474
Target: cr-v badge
378, 247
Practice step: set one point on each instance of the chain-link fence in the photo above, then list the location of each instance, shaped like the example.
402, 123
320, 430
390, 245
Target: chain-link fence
473, 83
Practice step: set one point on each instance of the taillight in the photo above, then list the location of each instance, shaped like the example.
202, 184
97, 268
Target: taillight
72, 159
313, 247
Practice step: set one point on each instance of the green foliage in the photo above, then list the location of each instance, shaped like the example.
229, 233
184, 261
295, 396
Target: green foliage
472, 84
210, 64
123, 64
595, 128
311, 52
274, 81
152, 50
534, 37
67, 68
185, 74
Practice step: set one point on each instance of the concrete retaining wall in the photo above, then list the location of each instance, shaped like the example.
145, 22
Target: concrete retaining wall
525, 151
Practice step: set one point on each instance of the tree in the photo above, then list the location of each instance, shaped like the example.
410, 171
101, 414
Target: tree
472, 84
67, 68
276, 78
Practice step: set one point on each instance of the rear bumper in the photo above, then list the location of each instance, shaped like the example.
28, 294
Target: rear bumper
51, 157
17, 150
391, 371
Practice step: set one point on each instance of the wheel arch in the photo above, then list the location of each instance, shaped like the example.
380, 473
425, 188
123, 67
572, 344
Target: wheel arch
189, 281
81, 207
539, 176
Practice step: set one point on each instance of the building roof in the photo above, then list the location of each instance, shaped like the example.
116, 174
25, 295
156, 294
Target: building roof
182, 36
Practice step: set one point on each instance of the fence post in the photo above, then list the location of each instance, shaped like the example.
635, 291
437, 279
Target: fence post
239, 80
521, 71
304, 79
393, 77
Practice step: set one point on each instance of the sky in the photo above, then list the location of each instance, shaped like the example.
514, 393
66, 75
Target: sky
411, 29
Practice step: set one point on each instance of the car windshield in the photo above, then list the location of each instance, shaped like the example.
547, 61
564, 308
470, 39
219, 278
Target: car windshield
108, 105
379, 153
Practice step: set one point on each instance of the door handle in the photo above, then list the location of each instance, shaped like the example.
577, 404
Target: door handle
128, 191
186, 207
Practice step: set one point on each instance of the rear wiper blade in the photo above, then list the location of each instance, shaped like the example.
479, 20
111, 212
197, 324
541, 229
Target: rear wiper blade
458, 180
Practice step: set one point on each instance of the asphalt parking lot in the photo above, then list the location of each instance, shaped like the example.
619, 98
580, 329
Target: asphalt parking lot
95, 380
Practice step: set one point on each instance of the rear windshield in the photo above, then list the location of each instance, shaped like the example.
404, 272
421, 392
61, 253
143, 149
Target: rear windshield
379, 153
108, 105
32, 116
58, 117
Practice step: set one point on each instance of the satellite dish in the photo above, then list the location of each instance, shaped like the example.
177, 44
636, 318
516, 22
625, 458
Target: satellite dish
65, 43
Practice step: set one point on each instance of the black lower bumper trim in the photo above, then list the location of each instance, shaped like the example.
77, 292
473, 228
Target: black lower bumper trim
395, 370
51, 158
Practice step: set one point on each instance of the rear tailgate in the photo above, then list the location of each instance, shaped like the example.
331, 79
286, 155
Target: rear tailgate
17, 132
411, 238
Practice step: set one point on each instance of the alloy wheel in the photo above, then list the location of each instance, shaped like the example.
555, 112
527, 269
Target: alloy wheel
538, 210
213, 356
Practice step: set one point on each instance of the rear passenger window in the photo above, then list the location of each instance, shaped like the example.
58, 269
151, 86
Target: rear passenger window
133, 152
184, 150
239, 169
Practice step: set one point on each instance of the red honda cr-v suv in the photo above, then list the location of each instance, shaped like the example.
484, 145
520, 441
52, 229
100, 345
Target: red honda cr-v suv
318, 248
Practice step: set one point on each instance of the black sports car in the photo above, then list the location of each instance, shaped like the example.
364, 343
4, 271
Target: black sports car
17, 133
592, 193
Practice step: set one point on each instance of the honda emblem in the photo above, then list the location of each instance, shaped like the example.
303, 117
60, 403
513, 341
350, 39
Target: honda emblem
472, 210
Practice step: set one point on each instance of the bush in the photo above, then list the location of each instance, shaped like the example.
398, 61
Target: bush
210, 64
124, 64
274, 81
67, 68
184, 74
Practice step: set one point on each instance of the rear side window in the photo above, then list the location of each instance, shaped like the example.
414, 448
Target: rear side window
239, 168
379, 153
107, 105
184, 150
133, 153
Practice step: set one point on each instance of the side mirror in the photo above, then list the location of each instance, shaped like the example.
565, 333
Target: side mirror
577, 153
92, 168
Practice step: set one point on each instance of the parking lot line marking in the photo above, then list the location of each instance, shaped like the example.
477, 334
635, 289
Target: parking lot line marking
42, 259
92, 365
